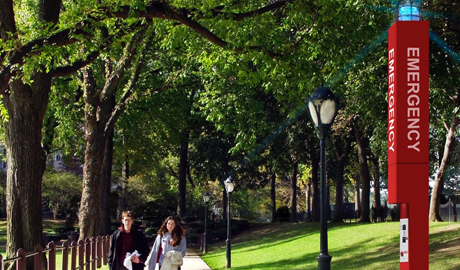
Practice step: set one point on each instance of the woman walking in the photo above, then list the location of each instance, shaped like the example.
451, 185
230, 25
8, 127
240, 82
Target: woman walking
169, 247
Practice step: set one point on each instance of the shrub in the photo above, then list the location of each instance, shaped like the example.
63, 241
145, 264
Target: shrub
217, 235
283, 214
193, 238
150, 231
64, 229
242, 225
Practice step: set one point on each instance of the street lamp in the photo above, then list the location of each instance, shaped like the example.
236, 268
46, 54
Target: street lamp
323, 105
408, 10
206, 198
229, 186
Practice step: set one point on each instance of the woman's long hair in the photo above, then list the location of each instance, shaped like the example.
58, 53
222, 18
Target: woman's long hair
177, 232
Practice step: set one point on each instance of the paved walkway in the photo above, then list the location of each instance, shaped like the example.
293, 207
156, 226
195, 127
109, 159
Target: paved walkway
193, 261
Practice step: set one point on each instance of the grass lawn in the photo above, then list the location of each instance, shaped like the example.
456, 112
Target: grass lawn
352, 246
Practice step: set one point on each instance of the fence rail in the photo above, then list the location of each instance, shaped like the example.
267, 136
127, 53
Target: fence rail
91, 253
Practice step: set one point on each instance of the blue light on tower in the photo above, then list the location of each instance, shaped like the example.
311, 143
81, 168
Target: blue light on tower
409, 11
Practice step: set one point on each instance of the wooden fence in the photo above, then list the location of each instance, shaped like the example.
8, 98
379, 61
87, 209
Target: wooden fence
91, 254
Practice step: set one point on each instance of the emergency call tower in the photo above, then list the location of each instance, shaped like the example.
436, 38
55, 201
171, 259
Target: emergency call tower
408, 40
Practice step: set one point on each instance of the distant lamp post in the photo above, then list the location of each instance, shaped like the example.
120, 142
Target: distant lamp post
206, 198
409, 10
323, 106
229, 186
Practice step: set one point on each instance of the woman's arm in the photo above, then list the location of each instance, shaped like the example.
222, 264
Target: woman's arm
182, 246
151, 260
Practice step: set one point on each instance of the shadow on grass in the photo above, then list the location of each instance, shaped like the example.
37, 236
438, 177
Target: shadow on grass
352, 257
378, 249
386, 258
280, 264
445, 248
359, 254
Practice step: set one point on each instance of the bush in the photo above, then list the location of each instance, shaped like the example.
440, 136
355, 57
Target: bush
64, 229
242, 225
216, 225
154, 210
197, 230
283, 214
217, 235
193, 238
191, 219
150, 231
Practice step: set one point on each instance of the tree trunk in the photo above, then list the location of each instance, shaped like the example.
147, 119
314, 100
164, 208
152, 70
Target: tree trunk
273, 195
315, 182
439, 180
106, 185
342, 159
293, 207
365, 177
357, 196
183, 165
26, 106
122, 204
100, 119
376, 177
89, 220
308, 195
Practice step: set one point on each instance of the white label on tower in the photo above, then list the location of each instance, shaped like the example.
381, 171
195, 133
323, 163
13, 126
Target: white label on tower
404, 239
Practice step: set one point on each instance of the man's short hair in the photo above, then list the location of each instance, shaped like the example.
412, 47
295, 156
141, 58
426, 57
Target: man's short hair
127, 214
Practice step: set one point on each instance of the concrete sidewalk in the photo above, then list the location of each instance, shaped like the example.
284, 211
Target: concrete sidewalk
193, 261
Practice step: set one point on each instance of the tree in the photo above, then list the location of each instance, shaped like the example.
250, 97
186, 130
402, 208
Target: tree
25, 102
364, 171
101, 113
342, 148
26, 89
60, 190
444, 92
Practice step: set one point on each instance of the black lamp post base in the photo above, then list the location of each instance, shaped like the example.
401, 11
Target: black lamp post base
324, 262
228, 264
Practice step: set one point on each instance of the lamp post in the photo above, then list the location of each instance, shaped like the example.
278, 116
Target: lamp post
229, 186
206, 198
323, 105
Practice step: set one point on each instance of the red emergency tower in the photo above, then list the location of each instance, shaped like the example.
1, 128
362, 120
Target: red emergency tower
408, 86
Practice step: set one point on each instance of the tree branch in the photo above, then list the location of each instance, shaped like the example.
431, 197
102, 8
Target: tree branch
252, 13
69, 70
205, 32
130, 51
156, 9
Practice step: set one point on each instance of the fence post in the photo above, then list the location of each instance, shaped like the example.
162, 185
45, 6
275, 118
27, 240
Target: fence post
105, 248
38, 258
52, 256
81, 253
93, 253
73, 256
98, 252
65, 255
21, 263
88, 254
